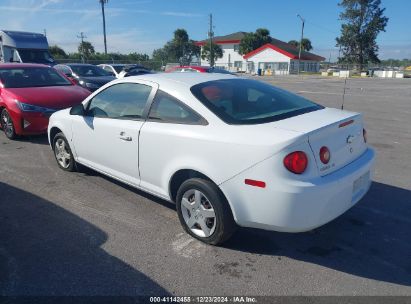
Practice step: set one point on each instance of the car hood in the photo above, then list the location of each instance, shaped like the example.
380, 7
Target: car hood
101, 80
58, 97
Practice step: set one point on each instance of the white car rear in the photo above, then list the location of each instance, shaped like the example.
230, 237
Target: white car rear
227, 151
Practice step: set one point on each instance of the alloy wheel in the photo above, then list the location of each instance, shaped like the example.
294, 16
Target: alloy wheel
62, 153
7, 124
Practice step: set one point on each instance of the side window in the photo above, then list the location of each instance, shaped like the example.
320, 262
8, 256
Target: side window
121, 101
190, 70
63, 69
168, 109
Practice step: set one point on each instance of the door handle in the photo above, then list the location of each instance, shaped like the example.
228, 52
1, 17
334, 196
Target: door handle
126, 138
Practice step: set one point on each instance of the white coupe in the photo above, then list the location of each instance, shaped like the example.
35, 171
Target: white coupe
228, 151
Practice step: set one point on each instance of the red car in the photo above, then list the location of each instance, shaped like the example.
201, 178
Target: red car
197, 69
30, 93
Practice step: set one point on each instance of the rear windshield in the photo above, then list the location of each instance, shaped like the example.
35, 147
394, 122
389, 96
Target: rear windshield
245, 101
31, 77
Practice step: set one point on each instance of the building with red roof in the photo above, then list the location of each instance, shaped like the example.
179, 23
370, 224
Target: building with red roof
277, 57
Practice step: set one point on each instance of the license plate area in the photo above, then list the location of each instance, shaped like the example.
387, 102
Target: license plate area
360, 183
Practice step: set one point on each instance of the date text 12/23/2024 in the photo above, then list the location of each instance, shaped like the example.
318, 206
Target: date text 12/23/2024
204, 299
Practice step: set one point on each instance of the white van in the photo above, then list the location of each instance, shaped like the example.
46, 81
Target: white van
24, 47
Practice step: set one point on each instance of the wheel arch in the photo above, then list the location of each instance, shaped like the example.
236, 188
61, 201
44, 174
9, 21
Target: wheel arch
181, 175
53, 132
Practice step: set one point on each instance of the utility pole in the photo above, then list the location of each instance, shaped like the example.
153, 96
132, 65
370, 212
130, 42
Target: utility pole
82, 36
45, 33
210, 36
301, 41
103, 2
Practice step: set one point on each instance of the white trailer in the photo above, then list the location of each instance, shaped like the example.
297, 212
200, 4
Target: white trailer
24, 47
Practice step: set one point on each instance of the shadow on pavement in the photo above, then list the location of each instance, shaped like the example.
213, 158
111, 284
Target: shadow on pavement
46, 250
156, 199
372, 240
36, 139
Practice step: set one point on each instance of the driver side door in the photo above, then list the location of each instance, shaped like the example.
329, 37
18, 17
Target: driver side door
106, 138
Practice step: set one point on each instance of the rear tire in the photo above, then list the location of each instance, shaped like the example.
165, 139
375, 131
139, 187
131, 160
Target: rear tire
204, 212
7, 124
62, 153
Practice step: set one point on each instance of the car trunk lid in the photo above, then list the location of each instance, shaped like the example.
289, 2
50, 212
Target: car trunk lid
340, 131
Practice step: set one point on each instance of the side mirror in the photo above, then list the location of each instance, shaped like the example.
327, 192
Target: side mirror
78, 110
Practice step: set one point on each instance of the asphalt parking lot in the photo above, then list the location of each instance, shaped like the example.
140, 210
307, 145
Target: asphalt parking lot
84, 234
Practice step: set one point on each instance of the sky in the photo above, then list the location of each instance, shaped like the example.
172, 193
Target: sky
143, 25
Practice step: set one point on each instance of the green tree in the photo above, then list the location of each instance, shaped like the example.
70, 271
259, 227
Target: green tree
252, 41
180, 49
294, 43
306, 44
137, 57
57, 52
206, 55
160, 55
86, 49
362, 20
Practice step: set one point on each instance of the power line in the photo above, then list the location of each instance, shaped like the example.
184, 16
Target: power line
321, 27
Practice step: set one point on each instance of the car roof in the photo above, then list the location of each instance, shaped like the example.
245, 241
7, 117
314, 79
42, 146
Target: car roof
112, 64
188, 79
22, 65
77, 64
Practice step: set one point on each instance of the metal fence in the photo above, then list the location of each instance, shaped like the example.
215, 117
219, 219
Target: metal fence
150, 64
249, 67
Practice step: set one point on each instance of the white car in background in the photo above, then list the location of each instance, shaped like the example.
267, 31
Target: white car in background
125, 70
228, 151
115, 68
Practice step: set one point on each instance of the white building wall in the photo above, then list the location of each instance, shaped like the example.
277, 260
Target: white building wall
269, 55
229, 56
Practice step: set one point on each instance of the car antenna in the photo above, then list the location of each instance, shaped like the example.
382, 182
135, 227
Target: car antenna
343, 97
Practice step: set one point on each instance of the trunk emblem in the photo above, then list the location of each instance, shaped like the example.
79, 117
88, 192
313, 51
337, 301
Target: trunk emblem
350, 139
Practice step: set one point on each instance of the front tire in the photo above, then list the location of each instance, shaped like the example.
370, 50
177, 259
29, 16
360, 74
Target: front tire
7, 124
63, 154
204, 212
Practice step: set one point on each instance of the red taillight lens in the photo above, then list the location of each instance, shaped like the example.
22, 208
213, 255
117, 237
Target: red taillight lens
364, 134
325, 155
296, 162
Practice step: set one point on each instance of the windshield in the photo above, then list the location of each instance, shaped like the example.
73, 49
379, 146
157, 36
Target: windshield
245, 101
118, 68
36, 56
31, 77
89, 71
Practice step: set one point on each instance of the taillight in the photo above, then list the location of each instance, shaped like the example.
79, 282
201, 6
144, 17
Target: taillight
364, 134
325, 155
296, 162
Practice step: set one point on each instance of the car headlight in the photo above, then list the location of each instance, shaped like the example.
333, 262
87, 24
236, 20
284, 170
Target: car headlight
92, 85
25, 107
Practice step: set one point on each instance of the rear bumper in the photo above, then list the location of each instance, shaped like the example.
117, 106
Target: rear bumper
292, 205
